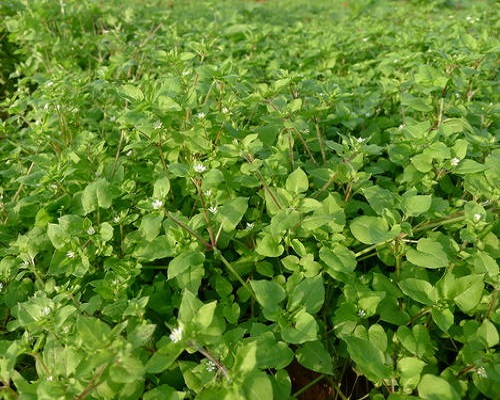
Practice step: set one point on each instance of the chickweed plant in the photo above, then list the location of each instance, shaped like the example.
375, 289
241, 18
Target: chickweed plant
196, 196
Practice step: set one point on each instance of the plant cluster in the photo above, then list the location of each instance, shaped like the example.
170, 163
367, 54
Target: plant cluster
195, 195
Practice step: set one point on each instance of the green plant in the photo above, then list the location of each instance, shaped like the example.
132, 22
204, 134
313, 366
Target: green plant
189, 201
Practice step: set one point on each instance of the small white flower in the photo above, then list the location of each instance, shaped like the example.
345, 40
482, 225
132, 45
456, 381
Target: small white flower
306, 130
50, 378
46, 106
49, 83
116, 219
185, 72
211, 367
201, 115
477, 217
112, 118
395, 61
158, 125
360, 140
53, 186
481, 372
401, 126
157, 204
207, 193
361, 313
365, 39
128, 153
200, 168
1, 286
70, 254
213, 209
455, 161
45, 311
457, 95
250, 225
176, 335
90, 231
225, 110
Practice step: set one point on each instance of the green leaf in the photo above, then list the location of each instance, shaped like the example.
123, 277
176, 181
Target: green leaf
231, 213
443, 318
303, 328
189, 307
467, 167
205, 316
429, 254
368, 358
470, 290
422, 162
164, 358
184, 261
150, 226
310, 293
131, 93
106, 231
57, 236
314, 356
127, 369
297, 181
379, 198
416, 103
161, 247
369, 302
164, 392
488, 334
433, 387
94, 333
416, 340
272, 353
166, 104
338, 259
268, 293
416, 205
96, 195
377, 336
257, 385
409, 369
269, 246
419, 290
246, 357
161, 188
371, 230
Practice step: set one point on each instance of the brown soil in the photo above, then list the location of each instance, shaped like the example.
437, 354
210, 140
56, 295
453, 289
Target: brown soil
352, 386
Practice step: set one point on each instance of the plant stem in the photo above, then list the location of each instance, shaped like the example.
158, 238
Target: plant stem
234, 272
219, 365
204, 211
189, 230
92, 383
309, 385
321, 143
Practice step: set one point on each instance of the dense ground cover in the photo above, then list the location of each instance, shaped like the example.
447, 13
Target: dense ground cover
214, 200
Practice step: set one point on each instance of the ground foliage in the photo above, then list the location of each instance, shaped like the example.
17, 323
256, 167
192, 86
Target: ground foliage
195, 194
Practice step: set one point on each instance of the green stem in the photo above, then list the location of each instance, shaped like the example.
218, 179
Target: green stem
206, 353
309, 385
234, 272
189, 230
422, 312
